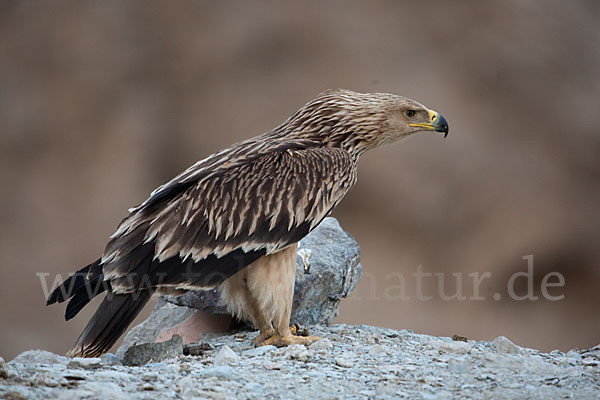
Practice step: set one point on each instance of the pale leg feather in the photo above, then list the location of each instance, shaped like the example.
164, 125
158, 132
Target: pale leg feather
263, 293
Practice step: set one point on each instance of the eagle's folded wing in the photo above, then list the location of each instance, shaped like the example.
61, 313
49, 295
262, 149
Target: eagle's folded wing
196, 233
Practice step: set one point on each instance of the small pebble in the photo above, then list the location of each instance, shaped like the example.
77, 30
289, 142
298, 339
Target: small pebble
376, 349
150, 377
196, 349
503, 345
460, 366
226, 356
295, 352
148, 387
110, 359
50, 382
40, 357
3, 371
272, 366
590, 362
254, 387
153, 352
84, 363
219, 371
455, 347
258, 351
321, 344
343, 362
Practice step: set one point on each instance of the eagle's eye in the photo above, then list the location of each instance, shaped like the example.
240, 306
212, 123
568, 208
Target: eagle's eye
410, 113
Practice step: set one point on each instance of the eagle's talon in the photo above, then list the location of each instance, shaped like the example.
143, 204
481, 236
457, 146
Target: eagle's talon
261, 338
280, 341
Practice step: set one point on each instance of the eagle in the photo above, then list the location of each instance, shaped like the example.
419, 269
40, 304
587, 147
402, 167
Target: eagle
233, 220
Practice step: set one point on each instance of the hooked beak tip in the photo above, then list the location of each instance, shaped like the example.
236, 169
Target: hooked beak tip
441, 125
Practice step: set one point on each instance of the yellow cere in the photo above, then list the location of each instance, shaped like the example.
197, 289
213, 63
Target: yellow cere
432, 117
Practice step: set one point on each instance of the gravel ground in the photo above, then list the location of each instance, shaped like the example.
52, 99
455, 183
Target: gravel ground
349, 362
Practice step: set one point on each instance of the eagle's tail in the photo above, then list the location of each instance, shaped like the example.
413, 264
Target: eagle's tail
110, 320
112, 317
83, 284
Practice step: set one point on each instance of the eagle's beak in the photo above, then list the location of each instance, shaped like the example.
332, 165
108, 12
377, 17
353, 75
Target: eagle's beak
437, 123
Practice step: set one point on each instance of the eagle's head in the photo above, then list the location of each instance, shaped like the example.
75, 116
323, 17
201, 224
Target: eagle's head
362, 121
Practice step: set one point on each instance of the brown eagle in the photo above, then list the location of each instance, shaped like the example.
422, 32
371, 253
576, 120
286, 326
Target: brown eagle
233, 220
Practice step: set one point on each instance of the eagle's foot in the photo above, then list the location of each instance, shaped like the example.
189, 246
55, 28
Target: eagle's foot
264, 335
280, 341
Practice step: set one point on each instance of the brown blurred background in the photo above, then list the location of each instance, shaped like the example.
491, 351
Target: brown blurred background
100, 102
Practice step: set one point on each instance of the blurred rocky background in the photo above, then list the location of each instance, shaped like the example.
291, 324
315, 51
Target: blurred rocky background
100, 102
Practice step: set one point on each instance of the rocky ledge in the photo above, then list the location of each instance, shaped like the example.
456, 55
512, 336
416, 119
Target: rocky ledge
348, 362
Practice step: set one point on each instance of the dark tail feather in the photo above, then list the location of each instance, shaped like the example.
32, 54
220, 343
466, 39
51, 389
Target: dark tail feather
111, 319
74, 284
91, 289
81, 288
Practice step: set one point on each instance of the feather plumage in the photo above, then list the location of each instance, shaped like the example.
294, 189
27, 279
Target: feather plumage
270, 211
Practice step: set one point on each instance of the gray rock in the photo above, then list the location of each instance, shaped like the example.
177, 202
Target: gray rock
75, 375
297, 352
106, 390
121, 377
377, 349
343, 362
455, 347
3, 371
321, 345
254, 388
590, 362
226, 356
327, 269
144, 353
84, 363
196, 349
150, 377
459, 365
219, 371
503, 345
334, 272
347, 363
110, 359
272, 366
39, 357
189, 388
258, 351
164, 315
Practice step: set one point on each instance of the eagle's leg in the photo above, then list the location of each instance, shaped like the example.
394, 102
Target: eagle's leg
263, 293
237, 294
262, 323
270, 283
